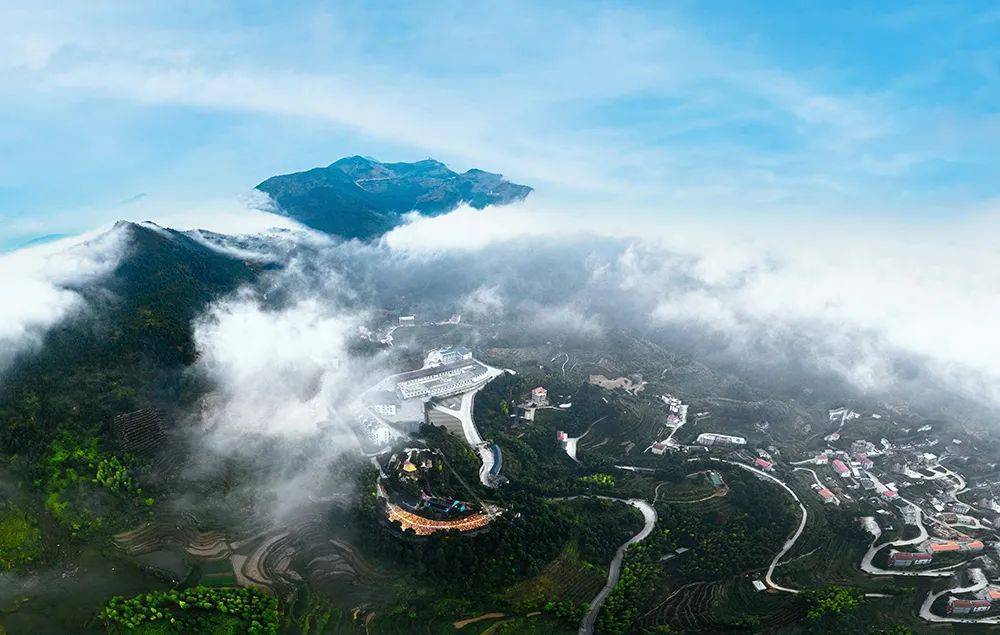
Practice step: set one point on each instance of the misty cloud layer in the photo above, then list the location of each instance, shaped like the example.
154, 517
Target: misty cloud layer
877, 305
41, 285
900, 317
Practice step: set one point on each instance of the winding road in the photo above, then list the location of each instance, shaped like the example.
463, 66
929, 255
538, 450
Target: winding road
788, 543
981, 583
649, 518
472, 436
868, 567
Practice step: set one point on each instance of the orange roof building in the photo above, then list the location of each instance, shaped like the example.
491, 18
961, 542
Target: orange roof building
945, 547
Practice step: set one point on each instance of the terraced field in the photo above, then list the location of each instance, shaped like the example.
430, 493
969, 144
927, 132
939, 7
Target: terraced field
740, 599
686, 607
565, 579
641, 423
715, 606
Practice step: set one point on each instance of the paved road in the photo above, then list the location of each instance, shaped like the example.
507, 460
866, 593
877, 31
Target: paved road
472, 436
788, 543
815, 477
811, 471
868, 567
925, 608
649, 516
571, 443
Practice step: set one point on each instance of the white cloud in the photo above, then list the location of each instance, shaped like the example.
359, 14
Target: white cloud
862, 290
274, 372
484, 302
39, 286
254, 214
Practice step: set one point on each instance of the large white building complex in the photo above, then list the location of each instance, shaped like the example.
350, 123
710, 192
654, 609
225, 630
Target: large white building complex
402, 400
443, 380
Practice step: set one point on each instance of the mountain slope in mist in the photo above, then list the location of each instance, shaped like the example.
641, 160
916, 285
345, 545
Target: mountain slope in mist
359, 197
123, 350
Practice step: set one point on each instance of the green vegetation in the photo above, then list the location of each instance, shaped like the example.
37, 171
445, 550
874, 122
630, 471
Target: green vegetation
640, 569
195, 610
732, 534
601, 480
20, 541
833, 606
568, 612
568, 579
80, 480
98, 364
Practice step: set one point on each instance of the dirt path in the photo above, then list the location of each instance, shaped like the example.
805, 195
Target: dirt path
472, 620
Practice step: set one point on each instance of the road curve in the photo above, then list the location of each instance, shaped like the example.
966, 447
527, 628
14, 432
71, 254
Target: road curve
649, 518
572, 441
868, 567
788, 543
925, 608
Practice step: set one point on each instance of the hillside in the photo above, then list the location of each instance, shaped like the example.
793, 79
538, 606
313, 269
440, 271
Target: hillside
130, 343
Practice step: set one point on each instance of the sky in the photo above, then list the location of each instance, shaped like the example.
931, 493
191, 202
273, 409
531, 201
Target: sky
727, 112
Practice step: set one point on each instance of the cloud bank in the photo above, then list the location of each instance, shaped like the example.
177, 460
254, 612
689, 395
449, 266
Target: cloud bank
41, 285
854, 296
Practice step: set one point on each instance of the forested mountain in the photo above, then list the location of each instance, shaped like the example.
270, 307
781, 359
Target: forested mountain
359, 197
109, 358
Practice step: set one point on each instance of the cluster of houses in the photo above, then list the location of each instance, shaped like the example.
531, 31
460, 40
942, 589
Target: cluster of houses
926, 551
981, 601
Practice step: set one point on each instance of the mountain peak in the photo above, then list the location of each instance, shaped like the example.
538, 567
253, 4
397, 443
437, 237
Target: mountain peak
361, 197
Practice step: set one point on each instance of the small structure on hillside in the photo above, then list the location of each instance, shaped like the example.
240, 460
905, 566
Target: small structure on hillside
959, 606
539, 396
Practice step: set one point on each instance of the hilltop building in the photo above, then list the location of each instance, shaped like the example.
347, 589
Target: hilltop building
862, 447
952, 546
827, 496
441, 381
447, 355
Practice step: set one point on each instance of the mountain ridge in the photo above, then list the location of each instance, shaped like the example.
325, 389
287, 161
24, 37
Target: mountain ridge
363, 198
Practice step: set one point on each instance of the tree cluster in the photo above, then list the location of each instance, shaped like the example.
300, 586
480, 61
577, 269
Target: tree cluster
195, 610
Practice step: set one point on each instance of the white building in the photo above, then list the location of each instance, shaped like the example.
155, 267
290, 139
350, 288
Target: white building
712, 438
443, 380
455, 354
407, 320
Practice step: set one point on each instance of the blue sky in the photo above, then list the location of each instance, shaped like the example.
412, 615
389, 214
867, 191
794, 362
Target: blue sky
719, 109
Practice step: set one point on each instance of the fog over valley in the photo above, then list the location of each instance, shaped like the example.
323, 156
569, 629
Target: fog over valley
533, 318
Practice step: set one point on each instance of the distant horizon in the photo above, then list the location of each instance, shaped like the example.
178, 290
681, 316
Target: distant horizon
853, 112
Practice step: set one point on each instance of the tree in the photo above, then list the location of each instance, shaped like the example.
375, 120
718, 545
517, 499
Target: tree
833, 606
